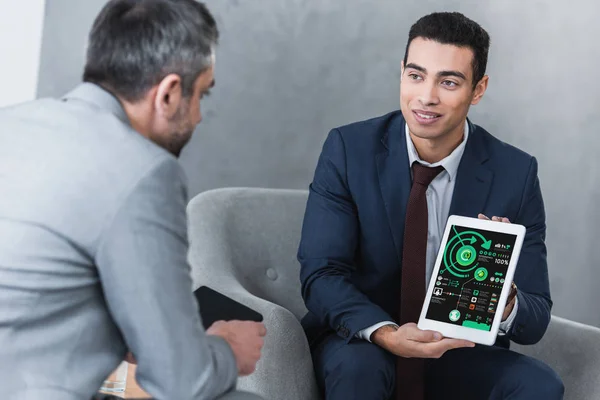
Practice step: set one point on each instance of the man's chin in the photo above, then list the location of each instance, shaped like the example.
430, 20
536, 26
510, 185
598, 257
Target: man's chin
178, 143
424, 132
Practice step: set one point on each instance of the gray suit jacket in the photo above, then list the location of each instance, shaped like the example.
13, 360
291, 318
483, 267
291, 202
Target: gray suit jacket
93, 258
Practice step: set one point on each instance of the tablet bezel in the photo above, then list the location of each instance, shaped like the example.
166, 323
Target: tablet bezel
458, 331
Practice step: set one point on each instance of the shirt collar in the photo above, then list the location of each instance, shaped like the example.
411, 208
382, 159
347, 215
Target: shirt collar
449, 163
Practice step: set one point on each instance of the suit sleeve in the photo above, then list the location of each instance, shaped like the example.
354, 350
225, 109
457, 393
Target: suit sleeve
531, 276
142, 263
328, 246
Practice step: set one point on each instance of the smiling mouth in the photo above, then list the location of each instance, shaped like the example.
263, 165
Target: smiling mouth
426, 117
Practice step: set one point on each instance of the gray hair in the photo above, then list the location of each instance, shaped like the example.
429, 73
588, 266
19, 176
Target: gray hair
134, 44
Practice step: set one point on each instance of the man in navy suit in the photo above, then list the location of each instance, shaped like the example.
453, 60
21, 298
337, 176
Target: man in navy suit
354, 248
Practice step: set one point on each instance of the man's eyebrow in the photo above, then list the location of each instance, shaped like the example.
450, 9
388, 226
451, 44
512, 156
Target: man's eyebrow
440, 74
417, 67
452, 73
206, 92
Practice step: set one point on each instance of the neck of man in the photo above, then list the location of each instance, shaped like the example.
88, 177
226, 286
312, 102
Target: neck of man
136, 112
436, 149
138, 116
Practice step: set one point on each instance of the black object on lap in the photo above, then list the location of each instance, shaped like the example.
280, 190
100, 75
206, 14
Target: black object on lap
215, 306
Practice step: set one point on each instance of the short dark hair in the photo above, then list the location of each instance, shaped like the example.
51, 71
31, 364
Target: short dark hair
134, 44
455, 29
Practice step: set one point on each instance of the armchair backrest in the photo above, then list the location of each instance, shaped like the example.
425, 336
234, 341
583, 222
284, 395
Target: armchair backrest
252, 234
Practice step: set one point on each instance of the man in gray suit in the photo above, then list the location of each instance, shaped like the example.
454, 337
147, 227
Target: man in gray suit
93, 239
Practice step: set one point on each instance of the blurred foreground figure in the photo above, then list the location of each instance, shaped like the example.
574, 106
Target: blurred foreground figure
93, 236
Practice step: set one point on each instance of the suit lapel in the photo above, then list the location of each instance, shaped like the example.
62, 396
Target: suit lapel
473, 179
394, 180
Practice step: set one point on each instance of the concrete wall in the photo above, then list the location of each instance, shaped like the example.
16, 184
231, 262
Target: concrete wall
21, 25
290, 70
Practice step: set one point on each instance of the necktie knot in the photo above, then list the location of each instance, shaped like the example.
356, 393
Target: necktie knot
424, 175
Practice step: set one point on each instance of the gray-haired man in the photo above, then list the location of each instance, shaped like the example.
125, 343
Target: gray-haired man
93, 238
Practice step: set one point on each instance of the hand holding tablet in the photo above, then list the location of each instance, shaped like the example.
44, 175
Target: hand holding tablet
409, 341
239, 325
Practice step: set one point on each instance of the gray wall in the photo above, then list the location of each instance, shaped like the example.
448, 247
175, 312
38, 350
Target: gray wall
290, 70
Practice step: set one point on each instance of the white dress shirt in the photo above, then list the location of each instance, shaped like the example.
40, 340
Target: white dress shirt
439, 197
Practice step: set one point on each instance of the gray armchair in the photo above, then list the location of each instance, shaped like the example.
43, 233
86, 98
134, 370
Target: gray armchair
573, 350
243, 243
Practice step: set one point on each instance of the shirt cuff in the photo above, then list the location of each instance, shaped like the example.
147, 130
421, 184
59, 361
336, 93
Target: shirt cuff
366, 333
507, 325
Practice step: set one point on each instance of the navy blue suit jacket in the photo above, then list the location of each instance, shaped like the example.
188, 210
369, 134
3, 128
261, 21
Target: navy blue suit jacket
351, 247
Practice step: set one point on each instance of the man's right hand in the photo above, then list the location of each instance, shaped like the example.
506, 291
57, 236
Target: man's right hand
245, 339
408, 341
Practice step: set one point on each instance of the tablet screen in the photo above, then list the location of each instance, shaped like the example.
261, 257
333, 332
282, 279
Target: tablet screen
471, 276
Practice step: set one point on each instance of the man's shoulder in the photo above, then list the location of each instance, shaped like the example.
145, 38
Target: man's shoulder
501, 152
368, 135
104, 138
81, 145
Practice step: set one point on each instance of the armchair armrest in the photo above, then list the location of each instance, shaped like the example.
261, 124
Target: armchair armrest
285, 370
573, 350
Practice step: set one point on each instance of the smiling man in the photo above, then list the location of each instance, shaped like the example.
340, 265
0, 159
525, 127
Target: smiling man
378, 204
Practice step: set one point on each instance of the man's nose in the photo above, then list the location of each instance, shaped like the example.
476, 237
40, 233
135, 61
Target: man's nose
429, 94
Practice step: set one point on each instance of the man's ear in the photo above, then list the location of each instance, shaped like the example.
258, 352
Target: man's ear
480, 89
168, 96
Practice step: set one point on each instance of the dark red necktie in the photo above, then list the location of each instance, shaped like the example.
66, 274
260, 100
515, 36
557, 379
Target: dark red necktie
410, 371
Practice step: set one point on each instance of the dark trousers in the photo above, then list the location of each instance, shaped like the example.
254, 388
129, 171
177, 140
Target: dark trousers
363, 371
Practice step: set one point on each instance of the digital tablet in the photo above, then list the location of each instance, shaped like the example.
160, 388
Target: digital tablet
215, 306
472, 278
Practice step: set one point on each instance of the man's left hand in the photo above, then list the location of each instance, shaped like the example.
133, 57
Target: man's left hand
510, 304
